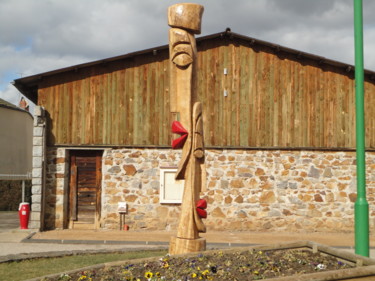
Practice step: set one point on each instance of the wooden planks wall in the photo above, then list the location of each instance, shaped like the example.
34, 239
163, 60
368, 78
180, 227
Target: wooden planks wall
273, 100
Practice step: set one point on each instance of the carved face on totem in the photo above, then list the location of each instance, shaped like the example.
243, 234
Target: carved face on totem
185, 21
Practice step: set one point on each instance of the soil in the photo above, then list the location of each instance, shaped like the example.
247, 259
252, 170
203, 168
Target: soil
240, 265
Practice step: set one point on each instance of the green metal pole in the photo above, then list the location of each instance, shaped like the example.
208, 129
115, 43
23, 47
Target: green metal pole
361, 212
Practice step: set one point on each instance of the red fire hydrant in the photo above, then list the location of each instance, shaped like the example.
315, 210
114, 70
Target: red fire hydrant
24, 214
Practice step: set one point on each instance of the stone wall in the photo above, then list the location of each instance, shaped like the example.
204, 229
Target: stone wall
248, 190
56, 194
38, 174
284, 190
133, 176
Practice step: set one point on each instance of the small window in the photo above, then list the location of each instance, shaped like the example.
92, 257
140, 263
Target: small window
171, 190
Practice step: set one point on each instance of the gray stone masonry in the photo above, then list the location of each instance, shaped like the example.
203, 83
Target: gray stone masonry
38, 168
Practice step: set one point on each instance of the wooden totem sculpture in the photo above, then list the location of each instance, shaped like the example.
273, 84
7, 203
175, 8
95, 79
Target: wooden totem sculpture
185, 21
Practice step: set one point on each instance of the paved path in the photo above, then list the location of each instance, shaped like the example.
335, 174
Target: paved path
14, 241
214, 237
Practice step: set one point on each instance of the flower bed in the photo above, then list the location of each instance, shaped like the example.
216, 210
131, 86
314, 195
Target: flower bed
305, 261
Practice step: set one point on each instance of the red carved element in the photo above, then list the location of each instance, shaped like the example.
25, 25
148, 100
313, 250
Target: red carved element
201, 206
177, 128
178, 143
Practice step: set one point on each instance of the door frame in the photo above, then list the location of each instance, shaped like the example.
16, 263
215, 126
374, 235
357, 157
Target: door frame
72, 210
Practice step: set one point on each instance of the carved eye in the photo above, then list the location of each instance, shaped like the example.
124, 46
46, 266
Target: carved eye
183, 60
182, 55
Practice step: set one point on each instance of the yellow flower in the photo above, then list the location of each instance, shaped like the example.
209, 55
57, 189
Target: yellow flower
166, 265
193, 275
157, 274
205, 272
84, 277
256, 272
149, 275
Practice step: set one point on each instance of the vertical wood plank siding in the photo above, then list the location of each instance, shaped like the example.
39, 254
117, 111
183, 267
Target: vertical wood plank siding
274, 99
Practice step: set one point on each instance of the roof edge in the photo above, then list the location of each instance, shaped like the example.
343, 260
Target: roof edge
28, 85
8, 105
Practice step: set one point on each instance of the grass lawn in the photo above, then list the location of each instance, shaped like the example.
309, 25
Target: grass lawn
27, 269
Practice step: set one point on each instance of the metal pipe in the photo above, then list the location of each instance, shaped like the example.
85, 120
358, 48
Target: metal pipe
23, 191
361, 210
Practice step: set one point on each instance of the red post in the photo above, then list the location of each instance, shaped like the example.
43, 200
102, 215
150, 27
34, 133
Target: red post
24, 214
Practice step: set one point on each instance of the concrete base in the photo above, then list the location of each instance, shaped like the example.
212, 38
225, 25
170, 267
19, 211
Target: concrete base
183, 246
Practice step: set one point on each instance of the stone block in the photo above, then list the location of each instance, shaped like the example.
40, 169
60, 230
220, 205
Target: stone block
35, 216
259, 172
218, 198
131, 198
353, 197
130, 170
283, 185
36, 198
136, 154
327, 173
61, 153
217, 173
37, 162
36, 189
222, 158
59, 160
267, 197
237, 183
239, 199
114, 170
318, 198
228, 200
38, 141
119, 155
241, 214
314, 172
38, 151
37, 173
274, 213
36, 207
38, 131
36, 181
217, 213
136, 184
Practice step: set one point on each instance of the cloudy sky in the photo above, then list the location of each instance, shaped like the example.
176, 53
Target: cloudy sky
43, 35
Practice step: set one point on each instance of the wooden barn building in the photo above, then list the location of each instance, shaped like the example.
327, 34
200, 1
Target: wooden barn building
279, 135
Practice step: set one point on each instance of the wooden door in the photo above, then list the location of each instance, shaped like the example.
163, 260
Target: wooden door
85, 189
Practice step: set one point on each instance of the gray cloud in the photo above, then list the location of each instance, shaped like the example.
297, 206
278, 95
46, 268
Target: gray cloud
43, 35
